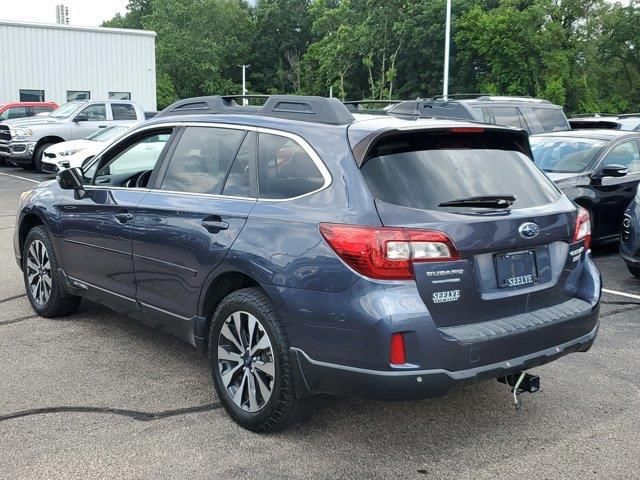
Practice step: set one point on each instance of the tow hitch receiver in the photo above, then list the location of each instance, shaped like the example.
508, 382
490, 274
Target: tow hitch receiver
521, 382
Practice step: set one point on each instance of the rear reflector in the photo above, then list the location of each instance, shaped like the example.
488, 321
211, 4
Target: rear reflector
397, 354
583, 228
387, 253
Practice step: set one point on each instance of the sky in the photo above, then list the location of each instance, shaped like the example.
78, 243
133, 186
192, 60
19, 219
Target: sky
81, 12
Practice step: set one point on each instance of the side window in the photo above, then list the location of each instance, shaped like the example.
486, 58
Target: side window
123, 111
285, 169
17, 112
202, 159
508, 116
625, 154
131, 159
242, 172
94, 113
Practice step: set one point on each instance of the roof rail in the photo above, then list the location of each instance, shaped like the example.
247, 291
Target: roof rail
629, 115
462, 96
512, 98
360, 104
490, 97
294, 107
598, 115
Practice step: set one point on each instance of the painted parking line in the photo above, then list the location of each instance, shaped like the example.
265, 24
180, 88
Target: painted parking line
20, 178
622, 294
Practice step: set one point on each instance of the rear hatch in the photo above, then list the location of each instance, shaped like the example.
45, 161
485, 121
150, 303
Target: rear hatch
512, 231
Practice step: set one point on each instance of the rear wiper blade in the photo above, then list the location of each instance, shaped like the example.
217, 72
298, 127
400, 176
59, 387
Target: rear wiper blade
484, 201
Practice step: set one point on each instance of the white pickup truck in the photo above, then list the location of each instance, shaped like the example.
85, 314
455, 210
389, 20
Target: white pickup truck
23, 141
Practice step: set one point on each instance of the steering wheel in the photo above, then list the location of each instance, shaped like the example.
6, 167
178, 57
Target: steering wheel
143, 179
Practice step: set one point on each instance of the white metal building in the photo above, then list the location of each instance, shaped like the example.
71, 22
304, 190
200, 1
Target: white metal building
60, 63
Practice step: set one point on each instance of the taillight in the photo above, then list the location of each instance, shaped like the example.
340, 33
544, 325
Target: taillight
397, 354
387, 253
583, 227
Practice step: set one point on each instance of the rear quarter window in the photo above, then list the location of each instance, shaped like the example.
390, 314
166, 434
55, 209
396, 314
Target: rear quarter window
543, 120
285, 169
423, 171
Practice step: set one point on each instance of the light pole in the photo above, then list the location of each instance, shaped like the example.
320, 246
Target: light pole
447, 40
244, 82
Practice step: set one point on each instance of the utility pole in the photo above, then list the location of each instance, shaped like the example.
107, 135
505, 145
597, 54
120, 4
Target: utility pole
244, 82
447, 41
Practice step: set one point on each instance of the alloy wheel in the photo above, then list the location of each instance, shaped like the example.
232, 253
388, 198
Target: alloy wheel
39, 272
245, 361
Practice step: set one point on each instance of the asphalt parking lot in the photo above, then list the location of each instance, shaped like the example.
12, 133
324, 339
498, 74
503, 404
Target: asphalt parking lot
97, 395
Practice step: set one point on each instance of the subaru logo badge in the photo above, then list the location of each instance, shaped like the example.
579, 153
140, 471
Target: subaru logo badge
529, 230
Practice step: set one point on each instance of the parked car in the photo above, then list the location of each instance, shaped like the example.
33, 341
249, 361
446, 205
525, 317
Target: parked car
629, 121
630, 237
309, 252
597, 169
531, 114
14, 110
75, 153
22, 142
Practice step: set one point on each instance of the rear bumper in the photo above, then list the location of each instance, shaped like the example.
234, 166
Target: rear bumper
322, 377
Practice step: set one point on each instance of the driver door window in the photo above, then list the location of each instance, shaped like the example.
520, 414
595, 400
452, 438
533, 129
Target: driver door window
94, 113
625, 154
132, 165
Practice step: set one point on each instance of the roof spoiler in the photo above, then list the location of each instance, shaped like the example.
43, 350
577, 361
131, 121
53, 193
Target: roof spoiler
363, 148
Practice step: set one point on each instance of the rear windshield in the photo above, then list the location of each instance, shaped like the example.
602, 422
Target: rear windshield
423, 171
629, 123
565, 154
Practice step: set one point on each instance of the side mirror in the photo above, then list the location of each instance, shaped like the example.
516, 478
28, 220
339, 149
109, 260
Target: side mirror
71, 179
81, 117
614, 170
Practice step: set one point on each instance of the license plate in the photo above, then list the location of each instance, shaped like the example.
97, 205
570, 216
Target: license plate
516, 269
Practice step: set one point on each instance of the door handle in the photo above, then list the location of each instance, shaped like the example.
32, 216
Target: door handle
123, 217
214, 226
103, 126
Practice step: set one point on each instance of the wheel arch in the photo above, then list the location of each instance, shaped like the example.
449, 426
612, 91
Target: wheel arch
29, 221
49, 139
216, 288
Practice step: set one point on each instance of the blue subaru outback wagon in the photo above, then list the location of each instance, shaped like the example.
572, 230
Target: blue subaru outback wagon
310, 251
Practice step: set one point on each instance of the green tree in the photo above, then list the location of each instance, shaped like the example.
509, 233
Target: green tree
279, 38
514, 48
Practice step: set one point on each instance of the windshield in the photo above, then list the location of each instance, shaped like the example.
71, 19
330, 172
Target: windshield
65, 110
429, 173
565, 154
107, 133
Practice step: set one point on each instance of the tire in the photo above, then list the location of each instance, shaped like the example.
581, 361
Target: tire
635, 271
37, 156
270, 410
37, 254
